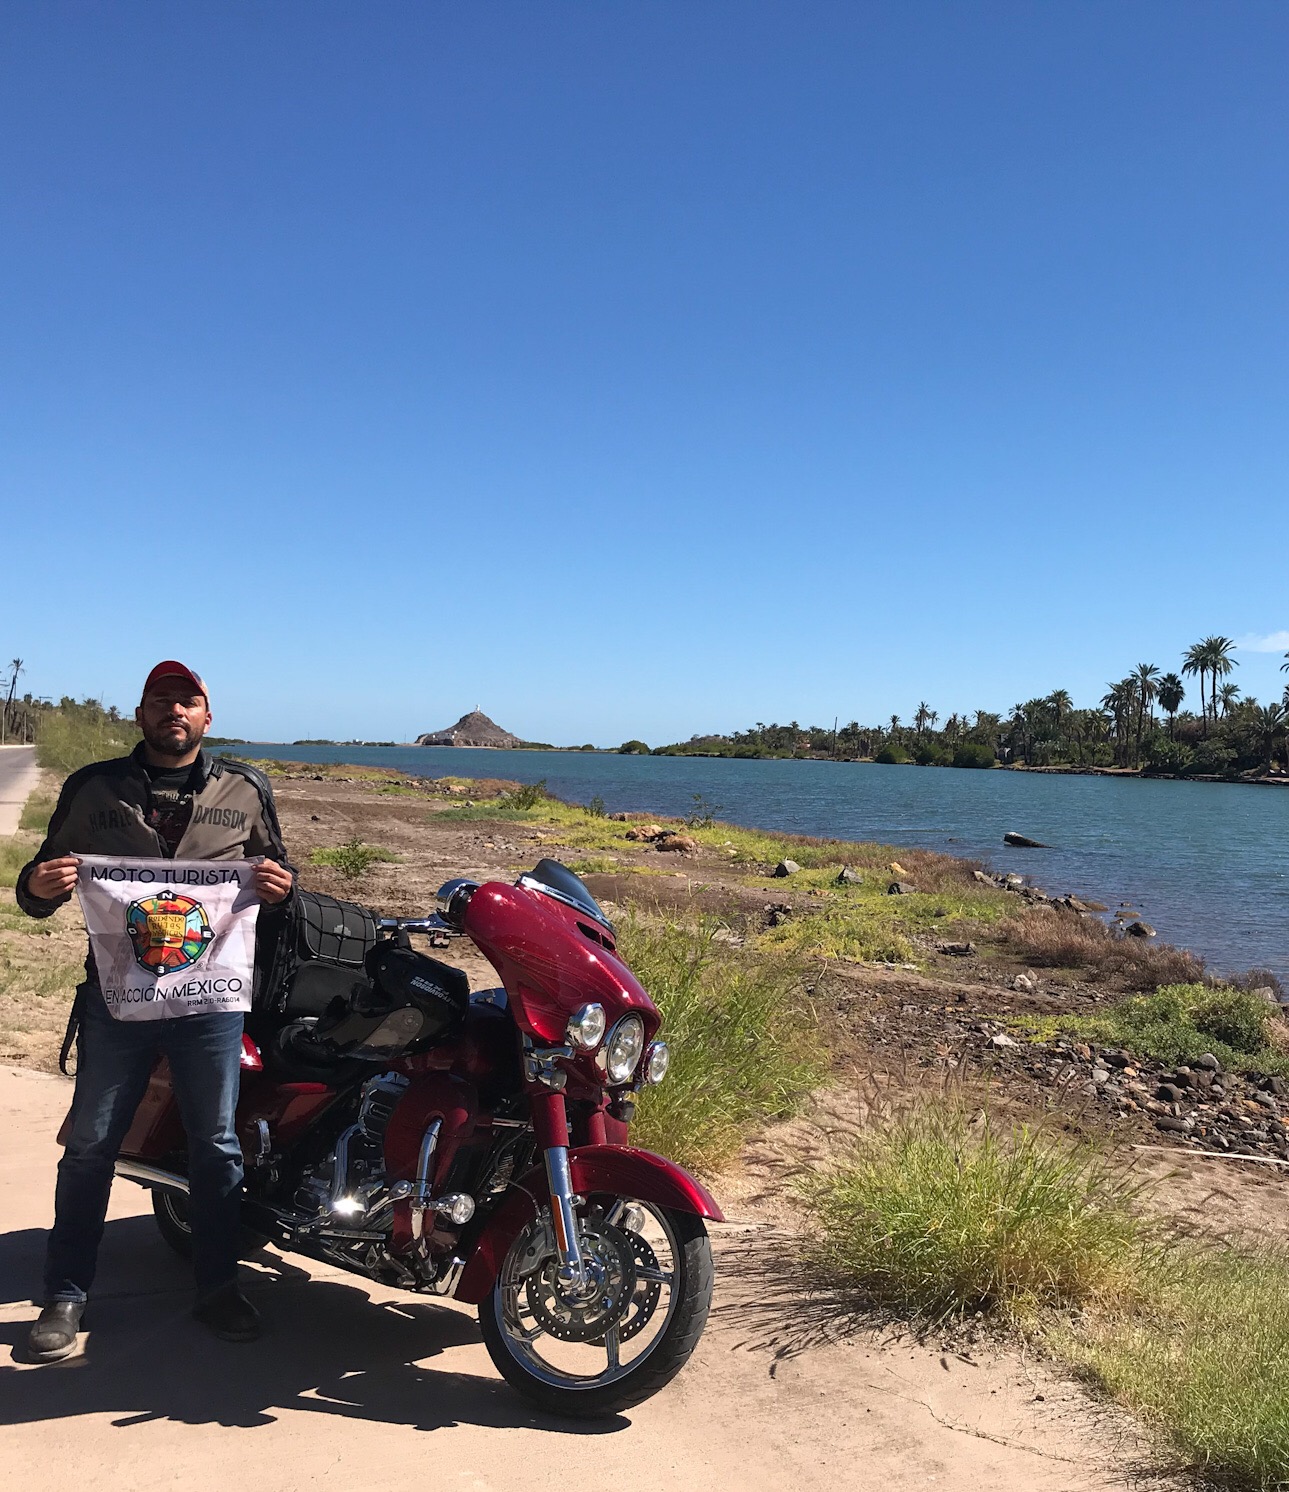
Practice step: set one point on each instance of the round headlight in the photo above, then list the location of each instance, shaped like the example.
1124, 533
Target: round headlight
626, 1042
657, 1061
586, 1027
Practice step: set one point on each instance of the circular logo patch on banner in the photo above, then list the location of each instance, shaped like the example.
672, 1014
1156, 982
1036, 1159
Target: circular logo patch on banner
168, 932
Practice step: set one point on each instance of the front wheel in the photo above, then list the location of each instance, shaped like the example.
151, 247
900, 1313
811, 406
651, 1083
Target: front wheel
621, 1337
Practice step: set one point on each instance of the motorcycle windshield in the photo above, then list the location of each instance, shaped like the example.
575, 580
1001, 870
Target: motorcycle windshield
553, 879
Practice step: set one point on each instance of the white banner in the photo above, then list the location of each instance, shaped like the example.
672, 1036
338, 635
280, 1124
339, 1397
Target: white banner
170, 937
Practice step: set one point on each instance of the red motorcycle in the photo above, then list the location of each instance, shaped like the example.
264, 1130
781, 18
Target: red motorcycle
471, 1144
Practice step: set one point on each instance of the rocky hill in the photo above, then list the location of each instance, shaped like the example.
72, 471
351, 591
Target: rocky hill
474, 729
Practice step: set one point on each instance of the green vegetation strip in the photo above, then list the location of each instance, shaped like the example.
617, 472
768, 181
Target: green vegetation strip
942, 1215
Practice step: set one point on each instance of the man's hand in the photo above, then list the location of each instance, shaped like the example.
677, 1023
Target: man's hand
272, 882
53, 878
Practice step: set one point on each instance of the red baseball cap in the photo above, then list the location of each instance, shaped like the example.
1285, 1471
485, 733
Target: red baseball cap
173, 668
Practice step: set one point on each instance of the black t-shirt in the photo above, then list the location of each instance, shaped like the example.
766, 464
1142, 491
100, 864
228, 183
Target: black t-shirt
171, 803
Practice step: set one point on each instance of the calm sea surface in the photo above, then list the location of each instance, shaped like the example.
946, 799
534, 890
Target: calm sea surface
1207, 864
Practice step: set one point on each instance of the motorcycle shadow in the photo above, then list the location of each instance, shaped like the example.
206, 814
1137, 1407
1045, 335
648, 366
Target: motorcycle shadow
327, 1348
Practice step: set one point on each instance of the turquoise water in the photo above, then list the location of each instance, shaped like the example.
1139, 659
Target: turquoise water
1207, 864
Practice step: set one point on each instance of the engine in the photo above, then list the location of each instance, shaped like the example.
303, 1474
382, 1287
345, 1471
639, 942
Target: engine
344, 1182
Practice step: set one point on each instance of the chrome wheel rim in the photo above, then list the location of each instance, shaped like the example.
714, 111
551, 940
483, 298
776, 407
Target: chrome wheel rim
639, 1325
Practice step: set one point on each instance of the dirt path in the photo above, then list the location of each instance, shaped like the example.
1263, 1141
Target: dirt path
350, 1379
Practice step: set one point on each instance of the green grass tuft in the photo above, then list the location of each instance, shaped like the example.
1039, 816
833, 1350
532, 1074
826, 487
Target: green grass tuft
36, 813
1204, 1359
743, 1043
937, 1217
14, 854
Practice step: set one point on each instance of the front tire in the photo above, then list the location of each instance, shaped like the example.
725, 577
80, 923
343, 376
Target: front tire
517, 1355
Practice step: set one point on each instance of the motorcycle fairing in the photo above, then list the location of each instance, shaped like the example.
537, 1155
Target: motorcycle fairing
621, 1170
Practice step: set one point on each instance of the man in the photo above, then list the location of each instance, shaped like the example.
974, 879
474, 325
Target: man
170, 799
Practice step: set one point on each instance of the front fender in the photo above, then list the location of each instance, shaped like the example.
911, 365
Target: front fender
639, 1175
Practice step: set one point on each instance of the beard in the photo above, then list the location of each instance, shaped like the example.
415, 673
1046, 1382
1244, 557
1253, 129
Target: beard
166, 740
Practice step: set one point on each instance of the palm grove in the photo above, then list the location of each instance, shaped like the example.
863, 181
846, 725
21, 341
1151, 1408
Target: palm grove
1139, 722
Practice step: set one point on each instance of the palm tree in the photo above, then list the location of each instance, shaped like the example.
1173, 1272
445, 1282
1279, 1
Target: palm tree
1269, 722
1121, 700
1228, 694
1220, 663
920, 719
1284, 667
1060, 704
1195, 660
1170, 692
1144, 677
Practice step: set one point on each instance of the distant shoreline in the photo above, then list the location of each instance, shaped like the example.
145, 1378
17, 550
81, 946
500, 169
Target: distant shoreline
225, 744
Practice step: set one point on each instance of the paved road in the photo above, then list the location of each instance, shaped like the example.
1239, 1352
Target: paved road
18, 774
354, 1385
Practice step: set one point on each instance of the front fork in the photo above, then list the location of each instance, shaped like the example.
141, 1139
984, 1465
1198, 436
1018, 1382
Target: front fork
550, 1126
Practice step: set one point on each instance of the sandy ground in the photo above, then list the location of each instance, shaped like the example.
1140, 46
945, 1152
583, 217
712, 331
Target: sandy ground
349, 1379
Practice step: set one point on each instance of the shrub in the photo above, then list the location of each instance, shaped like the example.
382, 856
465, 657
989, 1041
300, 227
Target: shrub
1180, 1022
974, 754
937, 1217
529, 795
739, 1026
928, 754
1211, 759
1164, 755
73, 735
892, 755
633, 748
596, 807
353, 859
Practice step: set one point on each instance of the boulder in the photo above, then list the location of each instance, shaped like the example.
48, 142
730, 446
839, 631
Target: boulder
1001, 1039
1140, 930
1013, 882
979, 875
848, 877
681, 843
897, 869
1024, 984
1208, 1062
1020, 842
786, 868
777, 912
957, 950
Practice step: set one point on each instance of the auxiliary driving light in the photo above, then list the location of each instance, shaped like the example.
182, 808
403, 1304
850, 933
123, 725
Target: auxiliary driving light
585, 1027
657, 1061
626, 1042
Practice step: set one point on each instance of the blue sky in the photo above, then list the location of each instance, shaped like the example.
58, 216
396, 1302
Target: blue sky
639, 369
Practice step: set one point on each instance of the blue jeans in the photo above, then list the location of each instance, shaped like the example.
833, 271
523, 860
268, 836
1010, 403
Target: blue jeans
114, 1060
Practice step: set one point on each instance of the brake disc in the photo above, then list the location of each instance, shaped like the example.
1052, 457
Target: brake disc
572, 1315
644, 1298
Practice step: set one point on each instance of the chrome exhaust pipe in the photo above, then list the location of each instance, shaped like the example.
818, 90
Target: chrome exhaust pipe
152, 1176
